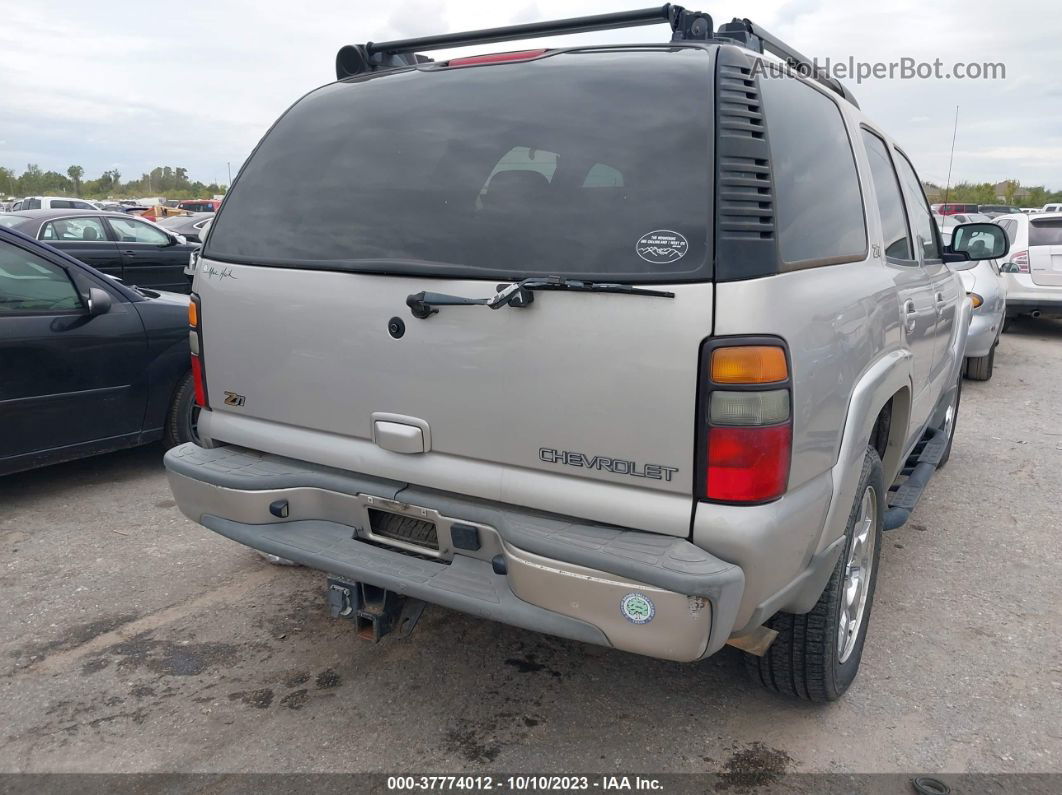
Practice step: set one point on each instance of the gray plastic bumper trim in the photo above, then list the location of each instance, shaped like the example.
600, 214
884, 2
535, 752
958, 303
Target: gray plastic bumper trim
663, 561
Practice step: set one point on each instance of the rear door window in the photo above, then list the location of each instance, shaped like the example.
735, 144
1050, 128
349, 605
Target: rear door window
889, 199
819, 205
923, 227
581, 164
87, 230
1047, 232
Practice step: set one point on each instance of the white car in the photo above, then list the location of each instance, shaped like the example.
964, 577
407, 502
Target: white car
1052, 208
985, 286
1032, 268
52, 203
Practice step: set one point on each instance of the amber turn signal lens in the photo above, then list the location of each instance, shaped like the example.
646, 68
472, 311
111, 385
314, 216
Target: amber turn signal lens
749, 364
193, 315
976, 299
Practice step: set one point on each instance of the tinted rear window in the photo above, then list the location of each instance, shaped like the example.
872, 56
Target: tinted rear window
593, 164
1045, 233
820, 207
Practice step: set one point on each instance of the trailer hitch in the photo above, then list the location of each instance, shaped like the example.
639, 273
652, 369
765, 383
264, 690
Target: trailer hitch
375, 611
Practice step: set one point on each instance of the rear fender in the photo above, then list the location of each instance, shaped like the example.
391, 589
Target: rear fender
887, 378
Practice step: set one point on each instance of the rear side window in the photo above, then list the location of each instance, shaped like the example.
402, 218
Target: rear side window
890, 200
819, 206
1047, 232
922, 226
583, 164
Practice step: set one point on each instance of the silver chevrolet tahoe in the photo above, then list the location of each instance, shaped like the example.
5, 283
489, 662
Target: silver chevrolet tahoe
642, 346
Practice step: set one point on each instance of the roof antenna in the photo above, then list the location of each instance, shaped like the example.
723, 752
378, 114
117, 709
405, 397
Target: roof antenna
951, 160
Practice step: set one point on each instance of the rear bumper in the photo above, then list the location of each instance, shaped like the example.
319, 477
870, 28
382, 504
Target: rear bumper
1024, 296
562, 576
1050, 305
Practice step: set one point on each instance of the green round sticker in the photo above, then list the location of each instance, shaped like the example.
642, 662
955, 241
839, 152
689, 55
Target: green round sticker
637, 608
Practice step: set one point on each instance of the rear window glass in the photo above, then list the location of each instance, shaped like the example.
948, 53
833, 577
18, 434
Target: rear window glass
582, 164
820, 208
1045, 233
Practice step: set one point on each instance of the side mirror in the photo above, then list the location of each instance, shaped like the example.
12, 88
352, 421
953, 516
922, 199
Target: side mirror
976, 242
99, 302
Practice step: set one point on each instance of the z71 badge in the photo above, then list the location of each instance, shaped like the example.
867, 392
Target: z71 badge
232, 399
618, 466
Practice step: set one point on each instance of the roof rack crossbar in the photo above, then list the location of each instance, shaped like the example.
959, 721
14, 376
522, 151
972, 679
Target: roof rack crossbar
755, 37
621, 19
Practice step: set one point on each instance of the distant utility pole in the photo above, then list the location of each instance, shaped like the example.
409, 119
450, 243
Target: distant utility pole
228, 165
951, 160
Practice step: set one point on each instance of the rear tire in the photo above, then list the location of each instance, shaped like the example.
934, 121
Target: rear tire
183, 416
979, 368
950, 428
816, 656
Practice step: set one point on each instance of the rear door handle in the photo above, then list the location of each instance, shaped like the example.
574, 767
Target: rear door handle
941, 303
910, 315
129, 253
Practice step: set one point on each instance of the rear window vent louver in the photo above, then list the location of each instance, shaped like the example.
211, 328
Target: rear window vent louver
745, 224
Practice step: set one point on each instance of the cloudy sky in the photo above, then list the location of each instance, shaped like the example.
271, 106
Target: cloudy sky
195, 83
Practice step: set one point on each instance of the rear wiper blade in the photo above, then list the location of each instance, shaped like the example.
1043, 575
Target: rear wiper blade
519, 294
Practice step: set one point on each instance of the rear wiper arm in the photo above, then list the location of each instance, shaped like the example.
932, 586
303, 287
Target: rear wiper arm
519, 294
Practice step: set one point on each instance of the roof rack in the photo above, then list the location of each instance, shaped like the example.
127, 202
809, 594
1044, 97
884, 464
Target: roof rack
355, 59
754, 37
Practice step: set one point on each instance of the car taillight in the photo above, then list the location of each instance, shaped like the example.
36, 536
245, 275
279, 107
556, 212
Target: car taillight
1021, 259
745, 427
195, 344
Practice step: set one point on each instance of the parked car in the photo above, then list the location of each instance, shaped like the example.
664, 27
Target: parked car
1032, 269
985, 286
1052, 208
54, 203
127, 248
948, 222
722, 330
993, 210
90, 365
190, 226
951, 208
199, 205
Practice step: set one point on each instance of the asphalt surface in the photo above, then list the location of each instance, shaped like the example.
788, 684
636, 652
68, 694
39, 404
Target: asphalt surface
132, 639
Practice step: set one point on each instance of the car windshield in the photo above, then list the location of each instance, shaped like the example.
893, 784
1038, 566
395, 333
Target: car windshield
581, 164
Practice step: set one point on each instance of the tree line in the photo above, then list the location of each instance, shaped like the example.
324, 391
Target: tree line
1012, 193
173, 183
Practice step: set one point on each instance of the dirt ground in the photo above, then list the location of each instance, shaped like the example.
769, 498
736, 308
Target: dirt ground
132, 639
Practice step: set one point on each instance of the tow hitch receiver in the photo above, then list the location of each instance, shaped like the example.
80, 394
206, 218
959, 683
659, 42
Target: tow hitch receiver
375, 611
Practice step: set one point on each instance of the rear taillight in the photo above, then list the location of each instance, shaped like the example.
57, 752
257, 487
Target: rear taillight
745, 427
195, 344
1021, 259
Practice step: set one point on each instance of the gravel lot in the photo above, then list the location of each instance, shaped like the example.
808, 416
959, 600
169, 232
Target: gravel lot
134, 640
